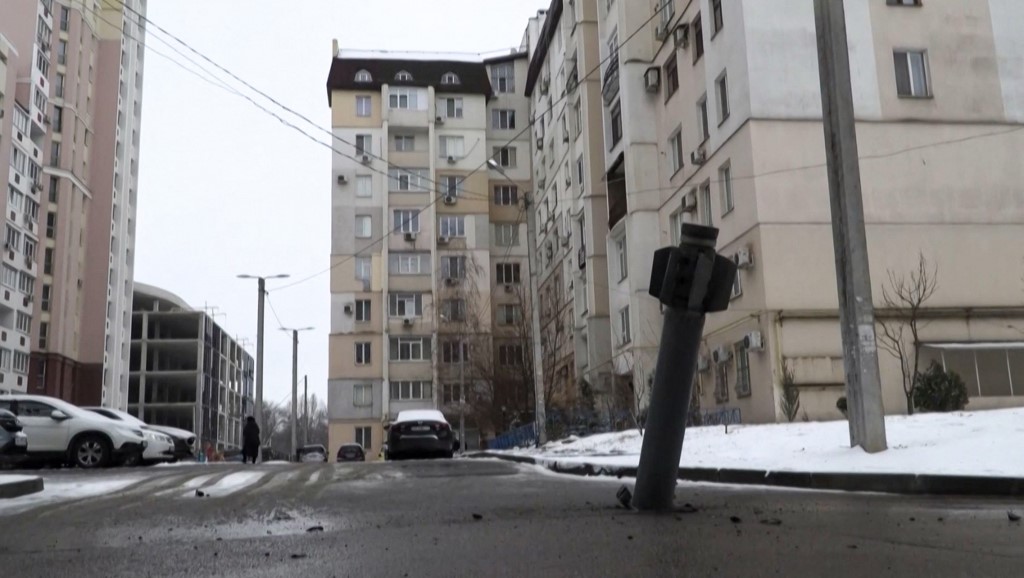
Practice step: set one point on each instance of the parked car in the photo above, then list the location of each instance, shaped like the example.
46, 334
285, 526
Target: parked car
421, 432
351, 453
160, 447
312, 453
60, 432
13, 441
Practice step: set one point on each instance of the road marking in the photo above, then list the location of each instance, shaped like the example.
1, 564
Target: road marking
230, 484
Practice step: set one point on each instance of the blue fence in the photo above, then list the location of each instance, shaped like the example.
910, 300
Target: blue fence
521, 436
724, 416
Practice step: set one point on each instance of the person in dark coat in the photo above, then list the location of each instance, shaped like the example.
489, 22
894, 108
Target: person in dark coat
250, 440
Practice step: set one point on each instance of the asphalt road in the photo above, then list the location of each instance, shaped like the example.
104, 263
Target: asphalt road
479, 518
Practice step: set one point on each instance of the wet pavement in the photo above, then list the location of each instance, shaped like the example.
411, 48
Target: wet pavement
478, 518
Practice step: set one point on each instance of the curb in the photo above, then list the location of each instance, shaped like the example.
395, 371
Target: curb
20, 487
910, 484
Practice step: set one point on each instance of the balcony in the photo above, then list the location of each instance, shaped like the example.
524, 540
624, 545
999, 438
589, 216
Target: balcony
610, 88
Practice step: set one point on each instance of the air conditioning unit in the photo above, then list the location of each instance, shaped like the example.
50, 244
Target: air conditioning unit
342, 180
411, 237
690, 202
721, 354
703, 364
661, 32
698, 157
754, 341
348, 309
743, 258
451, 160
442, 240
407, 322
681, 35
652, 79
37, 186
366, 159
450, 199
439, 120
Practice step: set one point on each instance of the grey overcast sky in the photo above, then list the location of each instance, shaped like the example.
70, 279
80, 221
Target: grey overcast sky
227, 189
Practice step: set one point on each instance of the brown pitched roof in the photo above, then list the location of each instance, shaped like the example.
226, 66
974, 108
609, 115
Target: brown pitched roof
473, 76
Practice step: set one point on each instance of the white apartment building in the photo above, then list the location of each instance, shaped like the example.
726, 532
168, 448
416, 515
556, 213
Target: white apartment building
716, 118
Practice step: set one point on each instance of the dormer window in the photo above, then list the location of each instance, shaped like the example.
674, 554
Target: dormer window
364, 76
403, 76
450, 78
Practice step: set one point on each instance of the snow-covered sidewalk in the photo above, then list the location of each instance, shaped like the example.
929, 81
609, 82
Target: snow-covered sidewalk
982, 443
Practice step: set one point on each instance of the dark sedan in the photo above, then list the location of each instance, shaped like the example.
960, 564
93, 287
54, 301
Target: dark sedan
420, 433
351, 453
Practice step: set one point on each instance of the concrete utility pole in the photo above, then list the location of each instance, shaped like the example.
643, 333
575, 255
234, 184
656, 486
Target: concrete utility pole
690, 281
259, 350
462, 395
295, 389
853, 277
305, 410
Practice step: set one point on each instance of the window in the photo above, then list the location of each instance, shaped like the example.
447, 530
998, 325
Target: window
506, 195
506, 234
453, 309
671, 77
454, 351
26, 283
675, 145
903, 2
510, 355
364, 76
503, 78
580, 172
363, 227
578, 112
509, 314
410, 263
54, 188
364, 144
55, 154
364, 268
364, 437
613, 46
625, 333
362, 310
451, 146
616, 124
450, 78
48, 261
411, 390
405, 143
407, 221
18, 160
722, 91
505, 156
364, 186
668, 10
452, 226
30, 248
742, 361
702, 118
450, 185
45, 302
403, 99
403, 76
409, 180
364, 106
363, 353
716, 14
62, 52
58, 119
621, 251
503, 119
65, 18
362, 396
725, 184
704, 204
675, 226
453, 267
450, 107
508, 274
405, 305
721, 383
14, 198
410, 349
10, 278
44, 332
698, 39
911, 73
451, 394
23, 322
58, 85
5, 359
737, 286
13, 239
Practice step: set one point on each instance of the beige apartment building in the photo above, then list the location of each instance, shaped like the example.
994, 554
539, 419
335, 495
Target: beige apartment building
714, 116
428, 267
77, 107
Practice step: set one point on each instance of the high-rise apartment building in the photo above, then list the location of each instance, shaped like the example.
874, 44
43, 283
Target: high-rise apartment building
713, 115
428, 259
79, 92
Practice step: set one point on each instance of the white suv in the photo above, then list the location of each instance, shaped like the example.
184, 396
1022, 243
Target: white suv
59, 431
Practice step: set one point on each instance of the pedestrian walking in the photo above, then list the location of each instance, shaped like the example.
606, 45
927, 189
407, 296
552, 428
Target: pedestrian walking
250, 440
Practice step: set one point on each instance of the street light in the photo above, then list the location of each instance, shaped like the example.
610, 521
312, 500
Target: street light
262, 281
295, 381
538, 370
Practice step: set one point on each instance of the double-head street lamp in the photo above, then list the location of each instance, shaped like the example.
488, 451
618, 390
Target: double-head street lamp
259, 344
295, 383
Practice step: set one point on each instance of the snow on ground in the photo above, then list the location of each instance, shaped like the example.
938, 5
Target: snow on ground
232, 483
13, 479
983, 443
64, 490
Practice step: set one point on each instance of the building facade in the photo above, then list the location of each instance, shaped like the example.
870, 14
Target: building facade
427, 239
187, 371
78, 102
716, 119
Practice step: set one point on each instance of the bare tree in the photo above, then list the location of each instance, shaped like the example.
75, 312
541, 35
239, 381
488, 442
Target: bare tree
904, 298
790, 401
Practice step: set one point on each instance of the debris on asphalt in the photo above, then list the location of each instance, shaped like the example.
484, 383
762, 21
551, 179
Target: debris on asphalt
735, 519
630, 537
625, 497
852, 546
478, 517
200, 494
297, 556
687, 508
771, 522
315, 529
1013, 516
